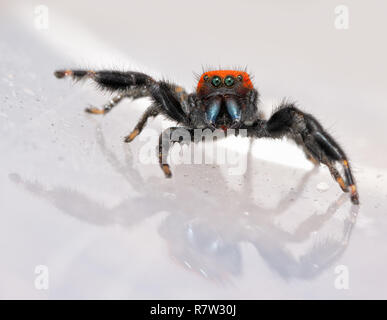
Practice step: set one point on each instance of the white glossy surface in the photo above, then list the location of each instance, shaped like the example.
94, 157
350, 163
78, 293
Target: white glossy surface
78, 200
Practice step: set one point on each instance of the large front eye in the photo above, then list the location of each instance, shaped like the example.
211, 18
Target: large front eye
216, 81
229, 81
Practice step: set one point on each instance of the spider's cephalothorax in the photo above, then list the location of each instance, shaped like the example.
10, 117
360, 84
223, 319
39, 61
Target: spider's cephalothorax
224, 99
228, 98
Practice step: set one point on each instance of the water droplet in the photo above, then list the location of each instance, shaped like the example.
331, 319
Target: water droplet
28, 91
203, 273
322, 187
169, 195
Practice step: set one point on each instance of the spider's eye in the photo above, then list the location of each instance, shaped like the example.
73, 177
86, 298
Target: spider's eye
240, 78
229, 81
216, 81
205, 78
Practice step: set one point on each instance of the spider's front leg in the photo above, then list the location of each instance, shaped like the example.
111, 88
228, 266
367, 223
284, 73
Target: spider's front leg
169, 99
132, 93
317, 143
107, 106
130, 84
166, 139
152, 111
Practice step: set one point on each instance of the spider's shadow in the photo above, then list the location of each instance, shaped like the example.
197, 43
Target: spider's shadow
207, 239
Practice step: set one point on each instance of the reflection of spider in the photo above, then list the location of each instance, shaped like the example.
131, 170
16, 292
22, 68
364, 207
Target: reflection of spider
207, 240
224, 99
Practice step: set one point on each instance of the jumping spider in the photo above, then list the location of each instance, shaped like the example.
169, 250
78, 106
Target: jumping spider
223, 99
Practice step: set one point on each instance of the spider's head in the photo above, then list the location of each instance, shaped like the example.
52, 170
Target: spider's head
222, 93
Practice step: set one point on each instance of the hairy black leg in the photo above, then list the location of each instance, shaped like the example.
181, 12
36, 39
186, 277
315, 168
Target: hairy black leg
169, 100
152, 111
166, 139
109, 79
290, 121
331, 166
350, 181
336, 175
107, 107
172, 99
299, 141
133, 93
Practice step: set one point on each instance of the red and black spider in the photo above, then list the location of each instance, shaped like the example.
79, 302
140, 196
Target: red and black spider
224, 99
